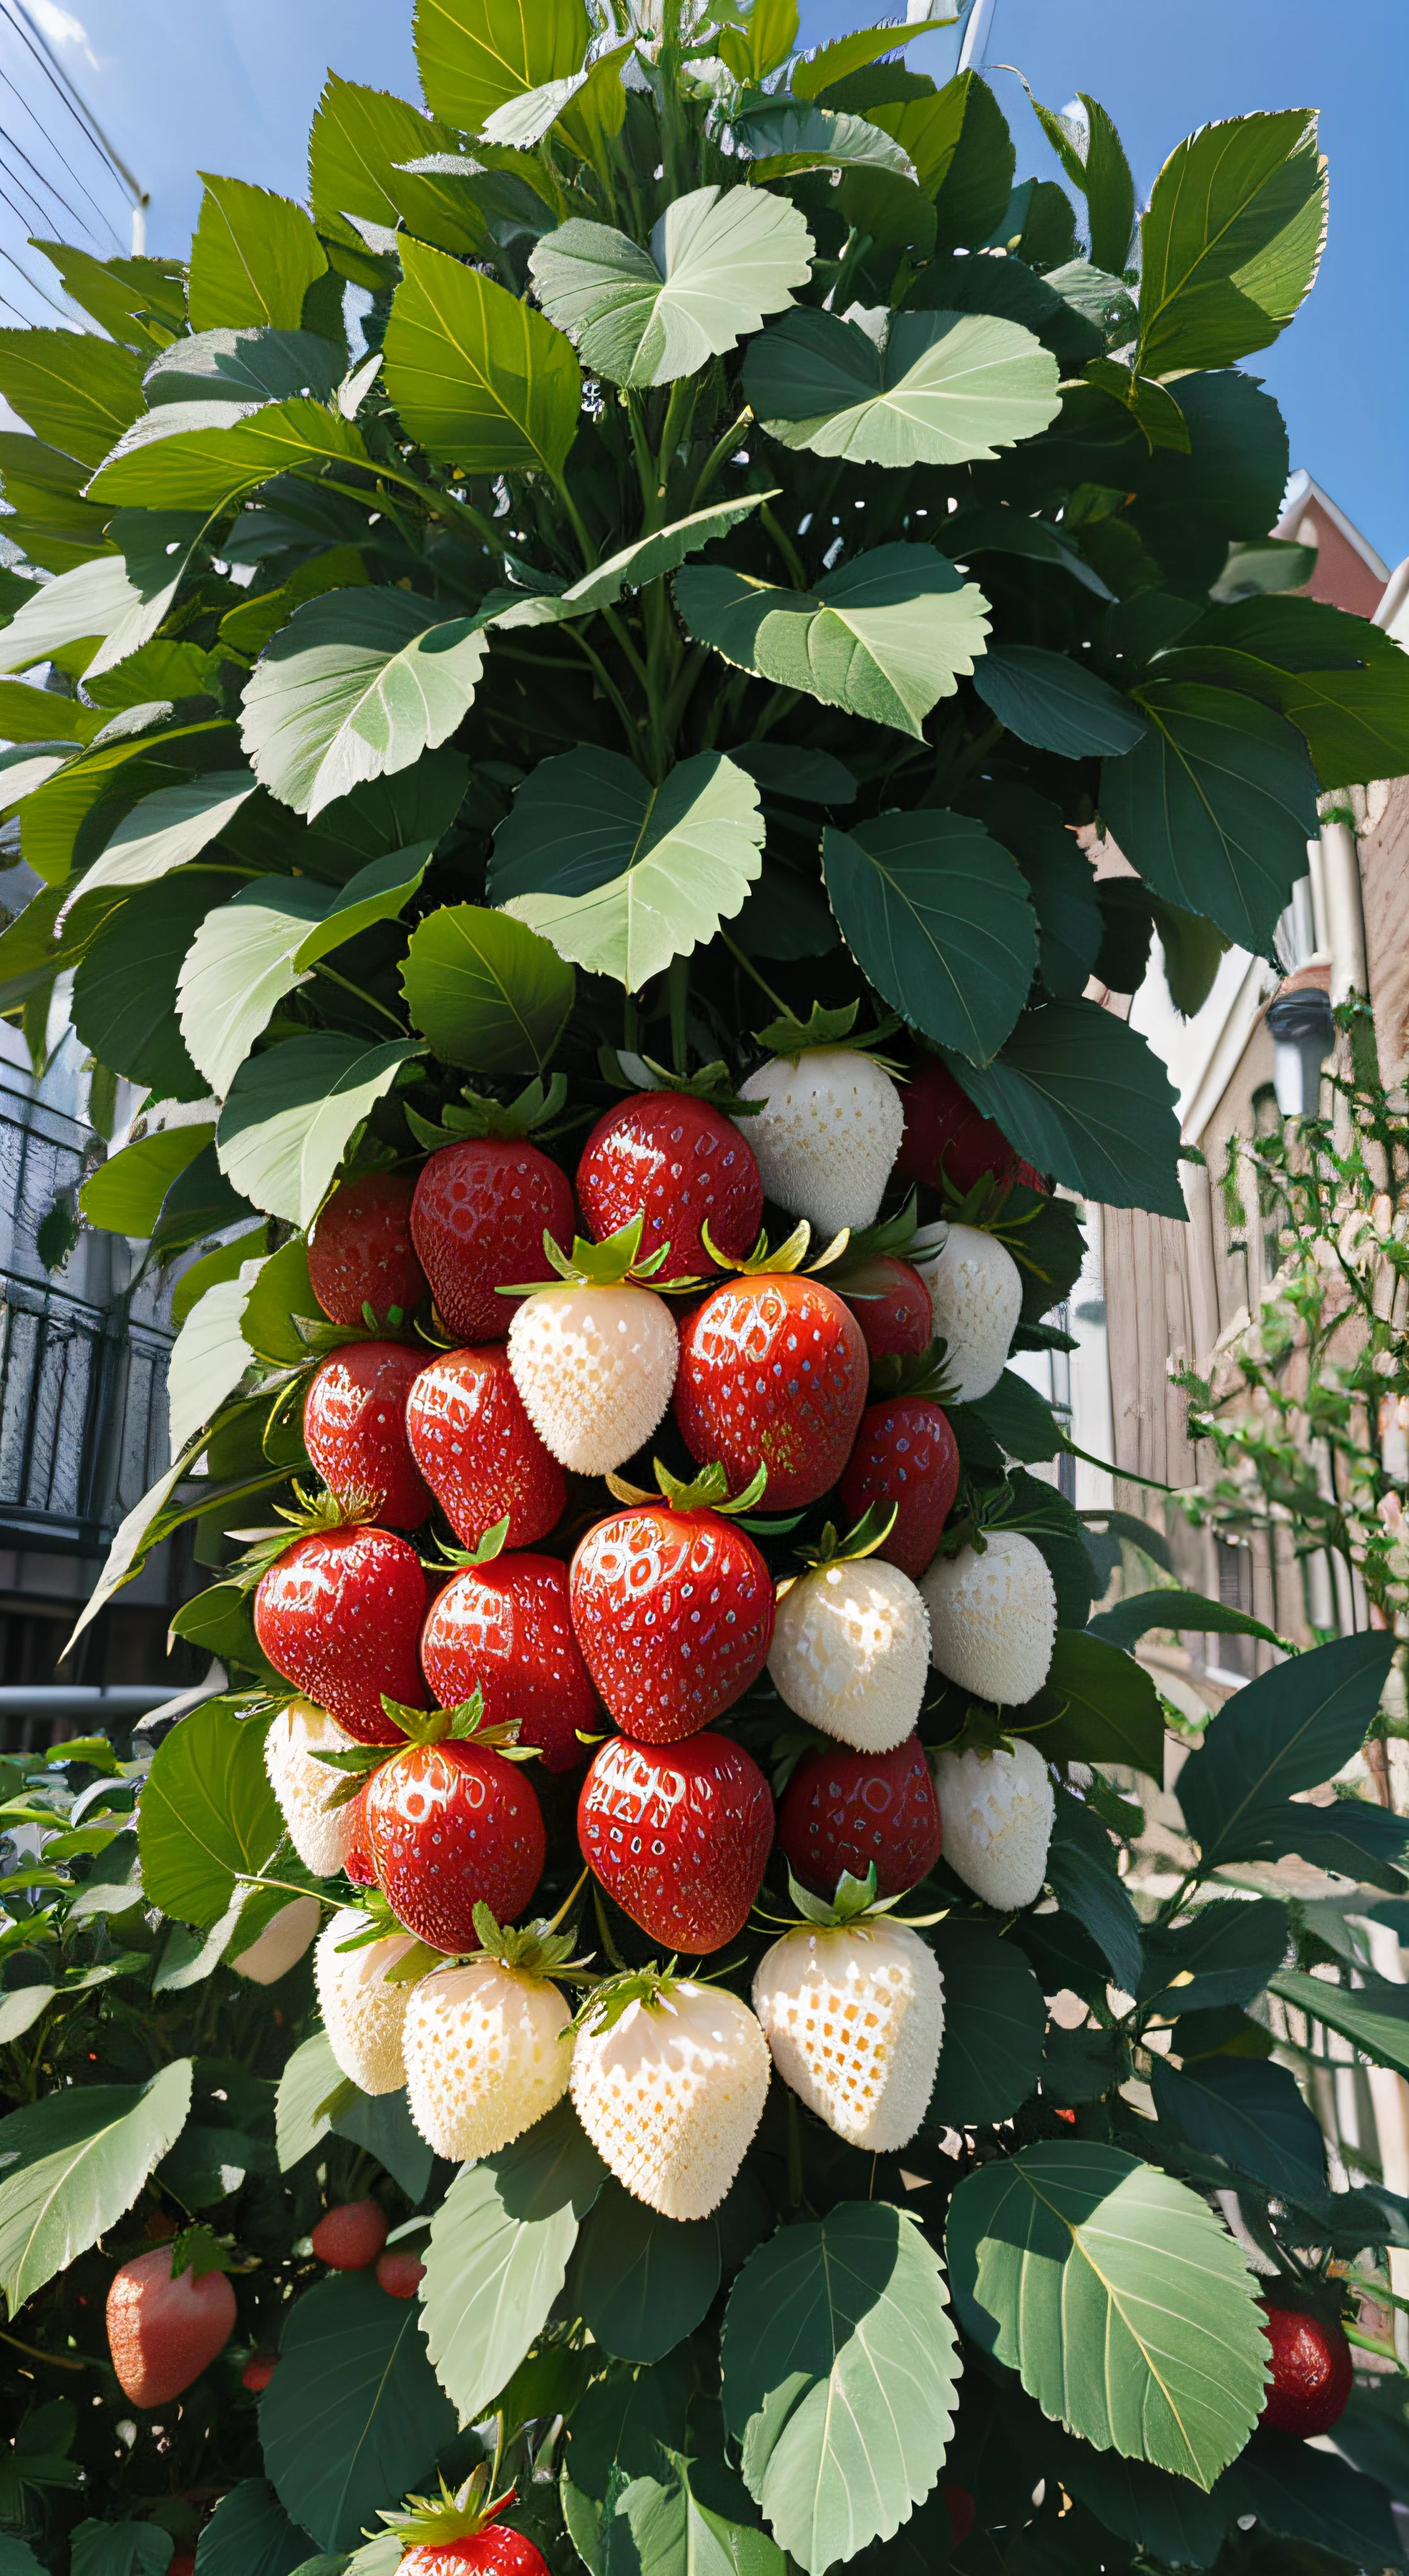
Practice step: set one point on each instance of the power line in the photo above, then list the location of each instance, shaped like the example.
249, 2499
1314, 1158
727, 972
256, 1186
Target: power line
41, 176
71, 97
63, 157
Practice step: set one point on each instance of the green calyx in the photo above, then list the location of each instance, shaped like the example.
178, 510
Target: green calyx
382, 1925
790, 1255
713, 1082
482, 1115
533, 1950
312, 1513
914, 1373
854, 1902
900, 1237
707, 1492
435, 2521
791, 1037
615, 1262
490, 1546
870, 1533
199, 2250
650, 1986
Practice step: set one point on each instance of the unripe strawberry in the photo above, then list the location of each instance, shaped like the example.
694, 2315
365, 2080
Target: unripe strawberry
350, 2237
486, 2056
976, 1295
993, 1618
281, 1944
851, 1652
827, 1135
671, 2093
162, 2333
1313, 2370
947, 1142
400, 2274
320, 1834
998, 1809
595, 1367
363, 2009
854, 2016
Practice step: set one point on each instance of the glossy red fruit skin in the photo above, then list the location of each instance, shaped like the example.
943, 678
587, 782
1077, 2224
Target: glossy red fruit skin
479, 1453
959, 2505
894, 1313
1312, 2371
679, 1836
844, 1810
505, 1629
350, 2237
183, 2564
680, 1163
773, 1372
478, 1220
360, 1251
674, 1613
400, 2274
905, 1454
256, 2375
339, 1615
162, 2333
450, 1824
947, 1140
354, 1428
495, 2551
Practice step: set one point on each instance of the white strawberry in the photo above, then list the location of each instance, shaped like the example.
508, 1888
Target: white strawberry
851, 1650
595, 1358
320, 1834
976, 1295
827, 1134
669, 2079
363, 2008
281, 1944
854, 2016
993, 1618
997, 1811
487, 2053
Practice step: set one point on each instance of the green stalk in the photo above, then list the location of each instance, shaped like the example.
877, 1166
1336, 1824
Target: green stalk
720, 454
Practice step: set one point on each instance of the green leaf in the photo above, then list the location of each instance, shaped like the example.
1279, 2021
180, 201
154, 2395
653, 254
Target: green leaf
208, 1815
290, 1114
784, 140
37, 715
249, 953
208, 1272
1007, 532
170, 829
674, 2531
1226, 1955
90, 601
480, 380
1250, 2114
476, 55
1017, 1417
1127, 1621
819, 72
1353, 1835
620, 876
415, 804
353, 2414
1288, 1730
1118, 2298
840, 2366
209, 1356
885, 636
199, 1204
249, 2534
16, 2557
382, 2123
1080, 1094
633, 568
1112, 1711
643, 2282
246, 366
1314, 2501
121, 2549
1053, 701
1230, 242
83, 2157
1375, 2017
125, 1194
994, 2017
498, 2253
719, 260
1096, 164
359, 683
310, 2079
174, 464
359, 141
124, 992
280, 1292
1340, 680
485, 990
1215, 806
1083, 1876
76, 392
938, 916
254, 257
936, 390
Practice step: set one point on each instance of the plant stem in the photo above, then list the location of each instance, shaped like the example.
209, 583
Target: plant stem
785, 547
720, 454
60, 2360
750, 969
678, 980
369, 999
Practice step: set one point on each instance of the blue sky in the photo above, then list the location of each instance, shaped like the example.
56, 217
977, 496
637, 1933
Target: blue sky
230, 86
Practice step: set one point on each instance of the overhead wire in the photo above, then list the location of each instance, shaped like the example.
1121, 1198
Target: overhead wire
54, 191
71, 98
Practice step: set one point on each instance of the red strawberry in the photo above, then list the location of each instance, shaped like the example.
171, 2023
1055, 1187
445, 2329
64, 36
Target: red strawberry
400, 2274
773, 1373
947, 1141
680, 1838
682, 1164
496, 2551
256, 2375
450, 1825
905, 1454
844, 1810
504, 1629
357, 1859
960, 2507
350, 2236
354, 1428
673, 1607
477, 1449
891, 1304
1312, 2370
339, 1615
478, 1220
162, 2333
360, 1252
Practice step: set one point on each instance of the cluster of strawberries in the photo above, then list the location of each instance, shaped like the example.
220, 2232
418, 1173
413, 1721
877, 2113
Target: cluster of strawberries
665, 1616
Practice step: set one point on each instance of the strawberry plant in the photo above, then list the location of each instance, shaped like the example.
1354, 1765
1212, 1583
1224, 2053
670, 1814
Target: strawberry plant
628, 2035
